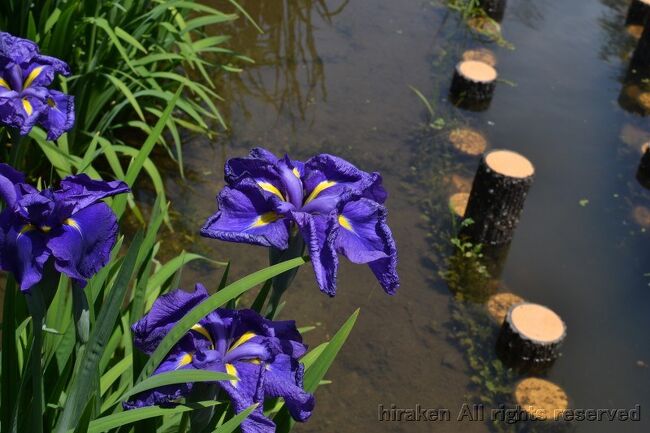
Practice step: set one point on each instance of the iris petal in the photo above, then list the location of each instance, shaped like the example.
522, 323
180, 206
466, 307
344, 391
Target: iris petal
9, 178
58, 115
246, 215
81, 191
83, 246
24, 254
319, 232
284, 379
365, 237
165, 312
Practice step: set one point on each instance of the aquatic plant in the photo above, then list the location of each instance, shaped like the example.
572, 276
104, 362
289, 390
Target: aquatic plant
326, 203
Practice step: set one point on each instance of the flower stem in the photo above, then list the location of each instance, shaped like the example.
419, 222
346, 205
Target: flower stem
18, 148
36, 306
282, 282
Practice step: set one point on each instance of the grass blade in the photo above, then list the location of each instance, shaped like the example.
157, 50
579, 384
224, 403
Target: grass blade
86, 383
174, 377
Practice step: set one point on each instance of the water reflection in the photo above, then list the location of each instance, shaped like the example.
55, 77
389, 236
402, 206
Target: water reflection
288, 47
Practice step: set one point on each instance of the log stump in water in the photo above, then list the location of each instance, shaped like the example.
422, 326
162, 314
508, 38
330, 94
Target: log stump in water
482, 55
643, 172
473, 85
458, 203
639, 67
638, 13
498, 193
495, 9
530, 337
468, 141
499, 304
542, 405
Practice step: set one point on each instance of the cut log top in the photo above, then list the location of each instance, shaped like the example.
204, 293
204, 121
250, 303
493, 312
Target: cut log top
468, 141
541, 398
537, 322
477, 71
641, 216
458, 203
509, 163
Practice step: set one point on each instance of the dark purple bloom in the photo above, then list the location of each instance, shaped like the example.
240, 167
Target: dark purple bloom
261, 353
337, 208
70, 225
25, 98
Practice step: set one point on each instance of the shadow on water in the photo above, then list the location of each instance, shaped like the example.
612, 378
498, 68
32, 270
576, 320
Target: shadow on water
334, 76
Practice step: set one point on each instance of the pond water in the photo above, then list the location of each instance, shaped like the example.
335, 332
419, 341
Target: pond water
333, 76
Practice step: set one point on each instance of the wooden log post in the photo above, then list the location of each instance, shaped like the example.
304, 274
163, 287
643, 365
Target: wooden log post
643, 172
639, 67
495, 9
497, 198
541, 406
638, 13
530, 338
481, 54
499, 304
468, 141
473, 84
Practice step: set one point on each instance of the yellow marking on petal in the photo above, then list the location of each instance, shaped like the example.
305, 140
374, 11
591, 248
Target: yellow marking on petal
255, 361
72, 223
320, 188
32, 76
51, 103
296, 172
201, 330
243, 339
26, 228
265, 218
231, 370
266, 186
4, 84
46, 229
345, 223
28, 107
185, 359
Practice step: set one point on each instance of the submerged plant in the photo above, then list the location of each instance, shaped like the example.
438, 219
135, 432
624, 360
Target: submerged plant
70, 225
325, 202
262, 356
25, 96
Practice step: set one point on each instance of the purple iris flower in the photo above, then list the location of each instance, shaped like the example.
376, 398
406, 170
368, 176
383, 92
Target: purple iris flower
261, 353
337, 208
71, 225
25, 99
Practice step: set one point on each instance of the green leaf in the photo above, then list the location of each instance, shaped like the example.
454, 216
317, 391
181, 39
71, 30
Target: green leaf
234, 422
119, 203
169, 268
120, 33
174, 377
10, 376
210, 304
122, 87
317, 370
104, 424
85, 383
320, 360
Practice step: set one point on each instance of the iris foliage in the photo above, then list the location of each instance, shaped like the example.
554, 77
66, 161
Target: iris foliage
75, 289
